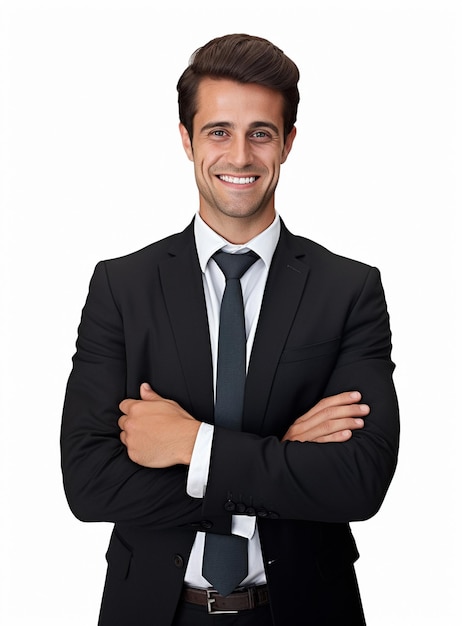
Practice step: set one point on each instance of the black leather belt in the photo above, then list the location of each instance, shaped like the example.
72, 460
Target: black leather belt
241, 600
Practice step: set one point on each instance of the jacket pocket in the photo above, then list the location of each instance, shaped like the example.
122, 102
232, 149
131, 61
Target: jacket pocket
312, 351
119, 556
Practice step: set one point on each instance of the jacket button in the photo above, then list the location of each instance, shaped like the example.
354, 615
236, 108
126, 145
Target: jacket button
262, 513
178, 560
250, 510
206, 524
240, 508
230, 506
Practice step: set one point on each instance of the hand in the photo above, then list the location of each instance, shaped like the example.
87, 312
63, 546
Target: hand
332, 419
157, 432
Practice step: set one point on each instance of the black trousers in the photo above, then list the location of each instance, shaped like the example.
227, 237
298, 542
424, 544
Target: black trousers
193, 615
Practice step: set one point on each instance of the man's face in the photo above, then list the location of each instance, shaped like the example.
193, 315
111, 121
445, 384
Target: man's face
237, 149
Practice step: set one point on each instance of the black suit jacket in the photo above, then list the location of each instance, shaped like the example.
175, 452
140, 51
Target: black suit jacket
323, 329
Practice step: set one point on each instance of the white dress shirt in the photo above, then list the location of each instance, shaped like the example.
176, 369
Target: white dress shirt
253, 285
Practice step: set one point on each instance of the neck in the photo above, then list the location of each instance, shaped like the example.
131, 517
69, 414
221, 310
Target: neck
238, 230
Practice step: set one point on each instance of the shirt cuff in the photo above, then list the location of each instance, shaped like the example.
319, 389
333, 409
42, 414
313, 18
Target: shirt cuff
200, 462
243, 525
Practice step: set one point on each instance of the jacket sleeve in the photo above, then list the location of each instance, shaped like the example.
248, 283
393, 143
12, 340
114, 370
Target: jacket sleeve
329, 482
101, 482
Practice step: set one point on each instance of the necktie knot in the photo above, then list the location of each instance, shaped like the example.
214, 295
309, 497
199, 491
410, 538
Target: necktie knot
234, 265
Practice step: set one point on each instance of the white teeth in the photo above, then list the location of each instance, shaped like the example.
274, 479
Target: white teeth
238, 181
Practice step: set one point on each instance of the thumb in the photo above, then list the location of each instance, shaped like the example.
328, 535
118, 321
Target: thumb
147, 393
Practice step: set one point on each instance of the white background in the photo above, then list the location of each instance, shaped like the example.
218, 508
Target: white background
92, 167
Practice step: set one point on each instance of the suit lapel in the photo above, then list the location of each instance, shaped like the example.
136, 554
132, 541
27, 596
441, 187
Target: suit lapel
182, 285
181, 279
285, 285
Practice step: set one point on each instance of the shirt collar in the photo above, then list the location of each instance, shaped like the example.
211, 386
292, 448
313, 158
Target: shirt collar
208, 242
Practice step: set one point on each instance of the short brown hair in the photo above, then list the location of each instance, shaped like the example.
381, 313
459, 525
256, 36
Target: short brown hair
244, 59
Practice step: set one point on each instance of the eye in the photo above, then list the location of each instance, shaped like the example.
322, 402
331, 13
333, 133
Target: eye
218, 133
261, 135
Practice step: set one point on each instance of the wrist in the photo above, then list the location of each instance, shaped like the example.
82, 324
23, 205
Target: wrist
190, 436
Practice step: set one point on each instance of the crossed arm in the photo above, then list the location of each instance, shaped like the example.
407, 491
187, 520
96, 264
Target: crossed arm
105, 469
158, 432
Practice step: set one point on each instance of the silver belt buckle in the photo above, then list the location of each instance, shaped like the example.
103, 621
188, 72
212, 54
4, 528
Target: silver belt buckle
210, 602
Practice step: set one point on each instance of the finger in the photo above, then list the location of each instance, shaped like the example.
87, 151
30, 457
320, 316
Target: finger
347, 397
127, 404
339, 437
332, 412
337, 425
327, 430
148, 393
337, 429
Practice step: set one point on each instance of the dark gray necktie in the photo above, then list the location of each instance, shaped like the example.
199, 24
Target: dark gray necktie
225, 556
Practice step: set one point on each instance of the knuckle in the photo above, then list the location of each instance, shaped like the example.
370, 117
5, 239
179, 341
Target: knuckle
128, 424
329, 413
327, 426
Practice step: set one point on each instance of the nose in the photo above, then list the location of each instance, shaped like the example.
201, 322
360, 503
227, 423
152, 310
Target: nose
240, 154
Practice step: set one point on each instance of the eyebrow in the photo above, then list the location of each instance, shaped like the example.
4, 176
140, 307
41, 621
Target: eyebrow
253, 125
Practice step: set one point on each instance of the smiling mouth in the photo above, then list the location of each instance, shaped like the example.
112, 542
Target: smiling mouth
238, 180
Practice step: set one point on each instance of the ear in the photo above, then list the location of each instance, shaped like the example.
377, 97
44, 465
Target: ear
288, 144
186, 141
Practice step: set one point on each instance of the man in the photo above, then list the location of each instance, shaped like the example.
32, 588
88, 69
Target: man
317, 439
